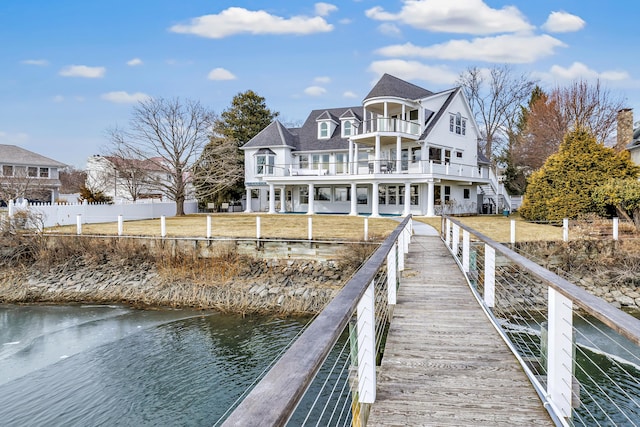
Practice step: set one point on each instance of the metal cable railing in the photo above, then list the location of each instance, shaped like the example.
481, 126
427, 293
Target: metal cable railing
328, 375
581, 353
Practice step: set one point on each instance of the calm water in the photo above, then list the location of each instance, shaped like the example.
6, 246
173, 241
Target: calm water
98, 365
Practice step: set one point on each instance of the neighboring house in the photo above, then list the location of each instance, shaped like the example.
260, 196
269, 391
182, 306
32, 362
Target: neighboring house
25, 174
404, 150
125, 179
627, 137
634, 147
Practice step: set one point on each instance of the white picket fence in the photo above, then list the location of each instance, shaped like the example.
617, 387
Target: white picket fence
92, 213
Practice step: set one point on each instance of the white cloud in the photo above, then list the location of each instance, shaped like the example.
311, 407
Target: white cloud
414, 70
134, 62
455, 16
345, 21
58, 99
389, 29
36, 62
237, 20
508, 48
315, 91
324, 9
578, 70
563, 22
349, 94
83, 71
322, 80
122, 97
220, 74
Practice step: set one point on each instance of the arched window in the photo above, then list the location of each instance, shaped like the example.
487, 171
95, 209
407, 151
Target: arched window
324, 130
346, 128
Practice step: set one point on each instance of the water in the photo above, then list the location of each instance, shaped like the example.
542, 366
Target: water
109, 365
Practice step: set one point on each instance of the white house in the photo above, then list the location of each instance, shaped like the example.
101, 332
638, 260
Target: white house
404, 150
25, 174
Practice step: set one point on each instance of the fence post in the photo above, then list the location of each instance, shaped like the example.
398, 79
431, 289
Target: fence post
489, 276
565, 229
78, 224
310, 227
513, 231
11, 208
208, 226
400, 245
163, 226
615, 228
120, 225
447, 231
465, 251
257, 227
560, 352
367, 347
456, 240
392, 274
366, 229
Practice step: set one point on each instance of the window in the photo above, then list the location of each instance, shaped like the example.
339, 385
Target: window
437, 198
255, 194
457, 124
264, 164
324, 130
416, 154
391, 195
459, 154
382, 195
363, 159
341, 163
467, 193
303, 161
347, 128
320, 161
435, 154
362, 195
44, 172
447, 193
323, 194
414, 195
447, 156
413, 115
304, 195
342, 194
32, 171
7, 170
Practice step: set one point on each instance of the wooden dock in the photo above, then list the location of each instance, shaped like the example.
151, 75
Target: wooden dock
444, 363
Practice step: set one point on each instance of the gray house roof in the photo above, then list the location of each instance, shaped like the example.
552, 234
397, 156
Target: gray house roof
275, 134
389, 85
308, 133
14, 155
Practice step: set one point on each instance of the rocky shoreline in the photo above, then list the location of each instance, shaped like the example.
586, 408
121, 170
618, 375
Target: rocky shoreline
274, 286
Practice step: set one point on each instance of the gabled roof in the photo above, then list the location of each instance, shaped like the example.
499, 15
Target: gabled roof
349, 114
326, 116
389, 85
308, 133
275, 134
439, 114
14, 155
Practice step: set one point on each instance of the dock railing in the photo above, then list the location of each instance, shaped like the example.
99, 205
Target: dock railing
328, 375
581, 354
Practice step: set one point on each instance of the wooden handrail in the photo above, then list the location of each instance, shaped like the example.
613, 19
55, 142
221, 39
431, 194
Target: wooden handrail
621, 322
276, 396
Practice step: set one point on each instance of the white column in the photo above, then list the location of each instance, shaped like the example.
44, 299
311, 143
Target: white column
272, 199
375, 211
351, 159
283, 201
310, 204
354, 199
430, 195
398, 154
376, 156
356, 169
407, 199
366, 333
560, 352
247, 208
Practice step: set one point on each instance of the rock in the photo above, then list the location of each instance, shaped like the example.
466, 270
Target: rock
625, 300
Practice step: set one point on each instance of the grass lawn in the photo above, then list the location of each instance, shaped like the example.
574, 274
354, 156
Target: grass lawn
292, 226
498, 227
285, 226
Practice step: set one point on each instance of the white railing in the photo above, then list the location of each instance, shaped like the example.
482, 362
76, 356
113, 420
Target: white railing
581, 354
328, 375
498, 188
51, 215
385, 124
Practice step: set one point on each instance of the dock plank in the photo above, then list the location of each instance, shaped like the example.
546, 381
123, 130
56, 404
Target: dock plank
444, 364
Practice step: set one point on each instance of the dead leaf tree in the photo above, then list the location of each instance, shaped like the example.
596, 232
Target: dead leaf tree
495, 96
171, 134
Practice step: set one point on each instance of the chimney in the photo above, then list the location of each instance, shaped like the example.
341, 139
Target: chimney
625, 129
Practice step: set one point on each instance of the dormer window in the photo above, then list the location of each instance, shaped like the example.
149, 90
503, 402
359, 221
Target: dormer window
457, 124
323, 130
347, 128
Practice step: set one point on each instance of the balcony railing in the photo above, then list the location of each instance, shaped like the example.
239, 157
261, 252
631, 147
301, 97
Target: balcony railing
385, 124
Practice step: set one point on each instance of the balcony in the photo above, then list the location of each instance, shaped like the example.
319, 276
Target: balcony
389, 125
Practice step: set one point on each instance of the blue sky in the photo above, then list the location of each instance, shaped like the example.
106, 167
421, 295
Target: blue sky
71, 69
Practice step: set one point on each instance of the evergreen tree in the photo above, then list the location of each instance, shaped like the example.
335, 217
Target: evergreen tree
563, 186
247, 116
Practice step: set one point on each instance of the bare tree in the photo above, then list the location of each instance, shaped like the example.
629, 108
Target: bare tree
21, 182
171, 134
495, 96
130, 174
72, 179
218, 170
